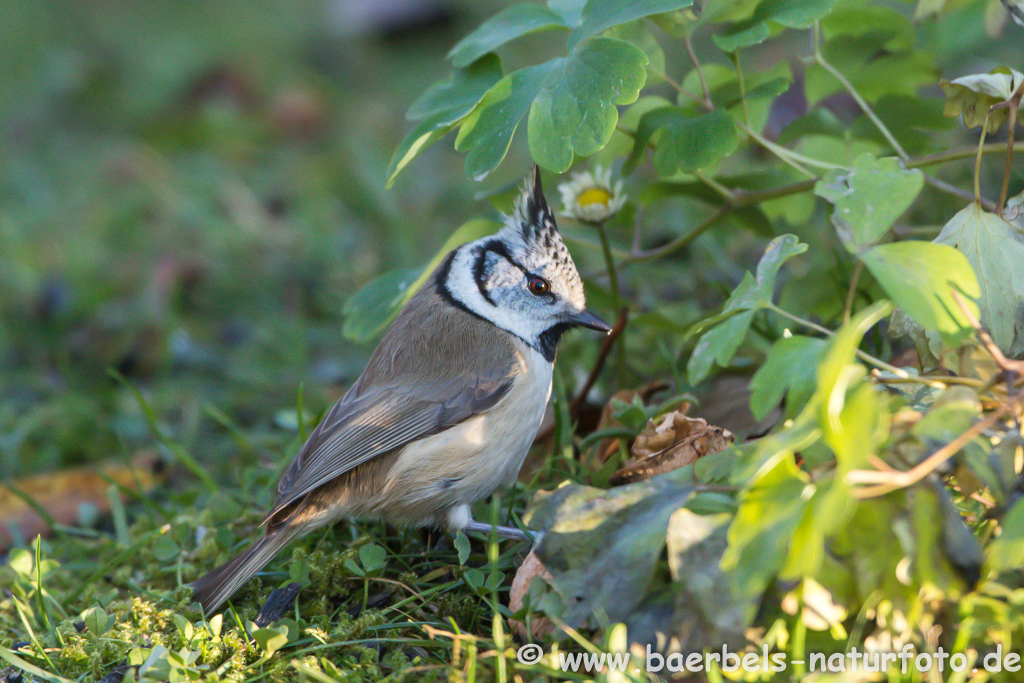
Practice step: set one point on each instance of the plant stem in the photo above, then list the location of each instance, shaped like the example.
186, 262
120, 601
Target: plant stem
700, 73
786, 155
726, 193
613, 283
820, 59
977, 159
742, 199
679, 242
867, 358
943, 186
854, 279
1014, 105
955, 154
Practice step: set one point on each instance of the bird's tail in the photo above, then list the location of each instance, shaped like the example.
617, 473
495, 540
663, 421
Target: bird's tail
214, 588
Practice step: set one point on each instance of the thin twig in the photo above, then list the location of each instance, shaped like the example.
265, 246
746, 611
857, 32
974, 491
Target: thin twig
679, 242
866, 357
956, 154
708, 104
943, 186
1007, 365
787, 156
1013, 103
606, 347
744, 198
886, 482
977, 159
576, 405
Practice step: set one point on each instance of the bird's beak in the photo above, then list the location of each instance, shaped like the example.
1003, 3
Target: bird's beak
588, 319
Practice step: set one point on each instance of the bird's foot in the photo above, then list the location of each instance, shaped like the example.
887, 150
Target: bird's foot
506, 531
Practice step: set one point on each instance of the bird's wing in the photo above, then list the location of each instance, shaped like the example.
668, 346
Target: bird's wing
363, 426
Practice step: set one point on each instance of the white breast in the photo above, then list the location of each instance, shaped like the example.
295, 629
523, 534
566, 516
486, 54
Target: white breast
467, 462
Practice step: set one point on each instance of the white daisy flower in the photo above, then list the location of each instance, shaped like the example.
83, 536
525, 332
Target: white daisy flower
590, 197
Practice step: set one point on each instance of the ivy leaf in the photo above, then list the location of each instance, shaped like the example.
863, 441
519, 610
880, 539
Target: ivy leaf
971, 96
995, 250
505, 26
769, 16
441, 108
599, 15
602, 546
920, 277
687, 143
574, 112
487, 132
868, 198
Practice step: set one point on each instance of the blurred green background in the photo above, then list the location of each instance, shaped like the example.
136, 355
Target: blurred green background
189, 192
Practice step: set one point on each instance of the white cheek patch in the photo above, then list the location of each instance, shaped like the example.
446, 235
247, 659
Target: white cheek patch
462, 286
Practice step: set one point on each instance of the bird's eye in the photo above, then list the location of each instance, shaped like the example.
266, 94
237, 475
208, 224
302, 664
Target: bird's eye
538, 286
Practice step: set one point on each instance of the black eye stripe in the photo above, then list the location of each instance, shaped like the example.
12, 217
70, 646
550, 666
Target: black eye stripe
497, 247
479, 275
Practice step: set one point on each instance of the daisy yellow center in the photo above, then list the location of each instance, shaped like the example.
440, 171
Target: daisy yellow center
594, 195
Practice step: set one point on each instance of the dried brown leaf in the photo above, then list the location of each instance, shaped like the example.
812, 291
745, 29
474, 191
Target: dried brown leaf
670, 442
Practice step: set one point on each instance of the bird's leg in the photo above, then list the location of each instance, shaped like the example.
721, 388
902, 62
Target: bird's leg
506, 531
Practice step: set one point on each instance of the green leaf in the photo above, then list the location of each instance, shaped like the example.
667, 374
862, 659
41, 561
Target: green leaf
1006, 552
487, 132
718, 346
599, 15
602, 546
843, 347
769, 16
574, 112
164, 548
759, 537
461, 543
457, 94
376, 304
920, 277
706, 607
637, 33
271, 639
789, 367
441, 107
868, 198
687, 143
505, 26
753, 293
778, 251
96, 620
971, 96
995, 250
372, 557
